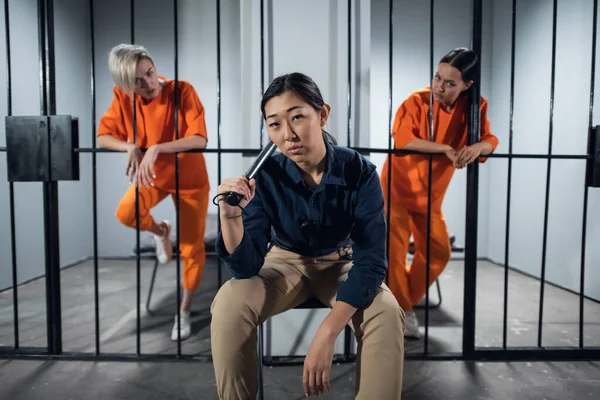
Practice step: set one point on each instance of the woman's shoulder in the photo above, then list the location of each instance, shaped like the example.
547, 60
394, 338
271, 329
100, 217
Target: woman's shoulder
354, 165
182, 84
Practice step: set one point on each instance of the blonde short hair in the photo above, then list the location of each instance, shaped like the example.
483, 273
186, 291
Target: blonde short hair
122, 63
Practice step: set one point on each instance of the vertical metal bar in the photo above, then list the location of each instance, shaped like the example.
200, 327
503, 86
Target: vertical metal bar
138, 279
349, 95
509, 179
470, 288
586, 188
262, 63
347, 330
178, 233
548, 175
11, 186
94, 178
50, 187
390, 127
219, 156
429, 177
176, 111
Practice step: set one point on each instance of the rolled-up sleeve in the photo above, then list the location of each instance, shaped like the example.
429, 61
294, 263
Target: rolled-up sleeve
368, 237
248, 258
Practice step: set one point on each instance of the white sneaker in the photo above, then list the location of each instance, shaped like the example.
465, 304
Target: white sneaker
164, 249
412, 326
186, 326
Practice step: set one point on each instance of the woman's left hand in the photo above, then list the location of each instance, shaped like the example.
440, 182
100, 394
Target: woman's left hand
467, 155
146, 173
317, 364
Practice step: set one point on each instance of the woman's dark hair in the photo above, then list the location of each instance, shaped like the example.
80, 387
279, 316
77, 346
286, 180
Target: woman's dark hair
301, 85
463, 59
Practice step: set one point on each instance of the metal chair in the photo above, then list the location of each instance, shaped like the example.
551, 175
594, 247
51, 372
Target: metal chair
269, 361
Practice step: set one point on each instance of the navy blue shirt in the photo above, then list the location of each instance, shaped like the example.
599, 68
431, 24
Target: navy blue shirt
346, 209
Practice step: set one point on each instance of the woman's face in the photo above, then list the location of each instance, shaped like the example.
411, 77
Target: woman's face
295, 126
448, 84
146, 80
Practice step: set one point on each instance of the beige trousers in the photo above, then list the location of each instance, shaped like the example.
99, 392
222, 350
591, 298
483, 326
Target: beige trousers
285, 281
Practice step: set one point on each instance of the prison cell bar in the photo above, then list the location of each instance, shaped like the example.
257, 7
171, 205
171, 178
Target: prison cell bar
429, 179
177, 214
586, 187
11, 186
219, 150
389, 149
347, 330
470, 274
50, 187
94, 179
137, 203
349, 93
262, 63
509, 178
548, 175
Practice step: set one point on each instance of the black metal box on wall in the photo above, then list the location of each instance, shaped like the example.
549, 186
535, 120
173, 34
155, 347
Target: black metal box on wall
41, 148
593, 165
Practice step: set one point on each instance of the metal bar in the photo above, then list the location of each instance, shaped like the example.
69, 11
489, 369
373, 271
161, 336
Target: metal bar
50, 188
255, 152
347, 330
509, 179
470, 287
538, 354
586, 188
219, 160
94, 180
138, 269
548, 175
486, 355
35, 354
178, 231
429, 178
11, 186
262, 64
349, 94
390, 127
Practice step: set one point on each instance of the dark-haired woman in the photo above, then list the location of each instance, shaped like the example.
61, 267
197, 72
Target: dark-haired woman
320, 209
409, 175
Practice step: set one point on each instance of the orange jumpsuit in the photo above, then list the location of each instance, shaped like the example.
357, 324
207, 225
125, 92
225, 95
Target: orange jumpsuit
408, 206
155, 123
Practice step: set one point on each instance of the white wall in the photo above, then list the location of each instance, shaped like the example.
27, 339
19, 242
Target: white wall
72, 97
531, 135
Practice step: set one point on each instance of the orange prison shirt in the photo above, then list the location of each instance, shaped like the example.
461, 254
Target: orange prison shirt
410, 172
155, 123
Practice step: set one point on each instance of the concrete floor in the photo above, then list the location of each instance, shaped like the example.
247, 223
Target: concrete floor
174, 380
29, 380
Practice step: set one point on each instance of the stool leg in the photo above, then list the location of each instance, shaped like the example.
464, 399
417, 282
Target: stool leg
261, 389
151, 289
439, 290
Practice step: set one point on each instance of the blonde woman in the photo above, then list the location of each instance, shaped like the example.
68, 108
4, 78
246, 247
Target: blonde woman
153, 171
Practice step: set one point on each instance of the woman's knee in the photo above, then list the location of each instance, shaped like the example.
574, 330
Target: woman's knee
388, 312
125, 213
232, 304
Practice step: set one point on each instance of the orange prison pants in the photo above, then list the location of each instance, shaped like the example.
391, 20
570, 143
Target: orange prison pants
192, 222
407, 283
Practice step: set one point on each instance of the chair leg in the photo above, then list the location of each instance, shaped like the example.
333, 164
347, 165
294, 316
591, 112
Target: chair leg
261, 383
439, 303
151, 288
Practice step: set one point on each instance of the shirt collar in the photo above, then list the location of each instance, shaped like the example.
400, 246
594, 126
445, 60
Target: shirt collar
333, 175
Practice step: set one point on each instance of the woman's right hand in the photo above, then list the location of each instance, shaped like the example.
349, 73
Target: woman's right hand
239, 185
451, 154
134, 158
